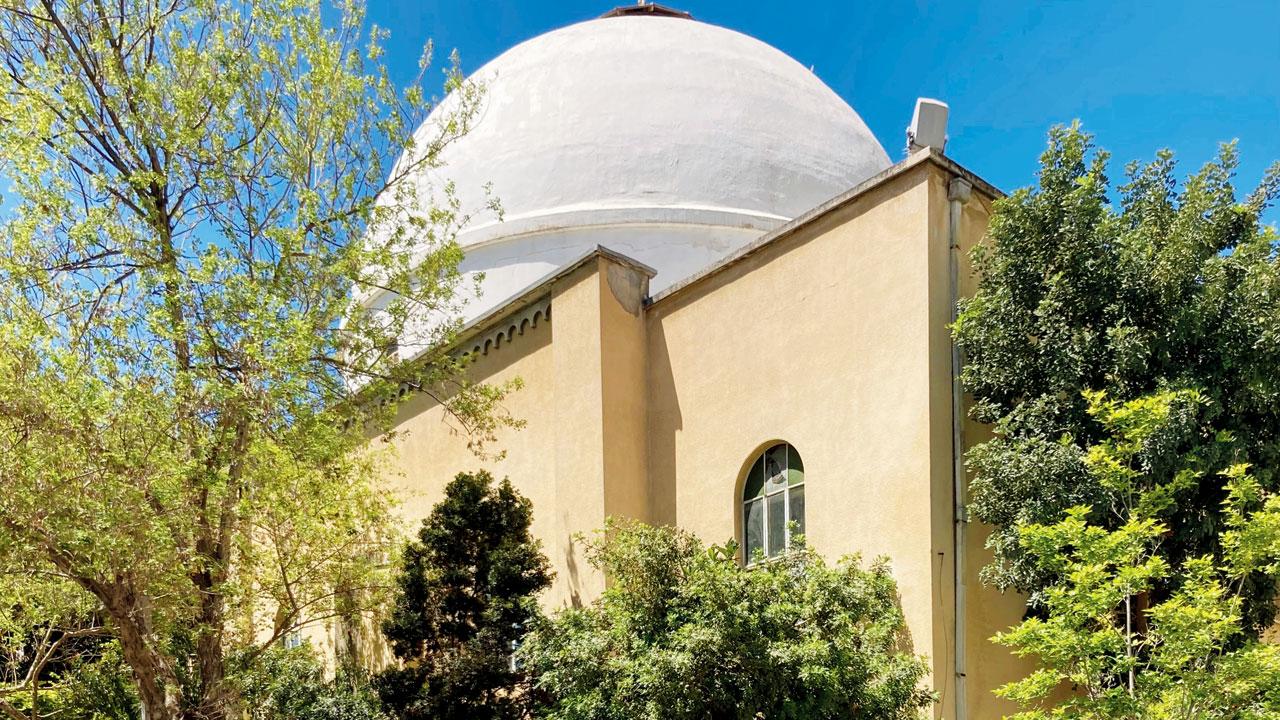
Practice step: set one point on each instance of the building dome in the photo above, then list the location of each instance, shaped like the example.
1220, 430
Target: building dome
672, 141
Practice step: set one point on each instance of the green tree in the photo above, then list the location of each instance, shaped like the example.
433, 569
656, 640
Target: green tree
204, 194
1170, 288
685, 632
466, 592
45, 627
1184, 657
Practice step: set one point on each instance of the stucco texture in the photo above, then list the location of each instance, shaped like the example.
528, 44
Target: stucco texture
830, 334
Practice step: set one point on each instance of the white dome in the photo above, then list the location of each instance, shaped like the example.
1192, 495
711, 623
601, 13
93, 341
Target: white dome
668, 140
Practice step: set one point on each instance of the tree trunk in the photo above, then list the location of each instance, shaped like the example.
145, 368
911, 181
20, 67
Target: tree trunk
158, 690
209, 656
216, 547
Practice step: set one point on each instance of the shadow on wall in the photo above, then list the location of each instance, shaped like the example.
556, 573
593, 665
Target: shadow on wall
664, 415
357, 639
571, 566
906, 643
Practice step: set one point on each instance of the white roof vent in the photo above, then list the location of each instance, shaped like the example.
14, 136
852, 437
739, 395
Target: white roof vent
928, 126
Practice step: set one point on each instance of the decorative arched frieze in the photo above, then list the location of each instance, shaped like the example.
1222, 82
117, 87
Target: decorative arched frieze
514, 325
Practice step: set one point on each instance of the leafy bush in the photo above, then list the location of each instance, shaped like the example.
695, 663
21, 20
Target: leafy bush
101, 689
290, 684
684, 632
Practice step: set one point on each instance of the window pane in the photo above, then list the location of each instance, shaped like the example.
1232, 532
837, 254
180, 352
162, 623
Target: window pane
755, 480
775, 468
795, 468
753, 528
797, 509
777, 523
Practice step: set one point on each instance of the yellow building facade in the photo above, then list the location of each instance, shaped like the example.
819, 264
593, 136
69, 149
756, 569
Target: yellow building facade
829, 334
707, 284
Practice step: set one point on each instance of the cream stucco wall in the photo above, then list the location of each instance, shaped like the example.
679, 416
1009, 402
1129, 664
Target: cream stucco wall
580, 455
831, 335
598, 410
988, 610
430, 448
828, 338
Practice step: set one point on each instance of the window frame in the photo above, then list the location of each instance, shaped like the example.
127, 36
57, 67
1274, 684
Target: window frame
744, 503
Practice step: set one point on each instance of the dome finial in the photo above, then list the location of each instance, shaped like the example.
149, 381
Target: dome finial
645, 8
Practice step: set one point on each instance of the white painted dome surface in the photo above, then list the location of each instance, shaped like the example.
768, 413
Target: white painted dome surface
669, 140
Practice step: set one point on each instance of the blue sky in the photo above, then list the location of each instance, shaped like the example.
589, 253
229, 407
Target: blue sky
1140, 75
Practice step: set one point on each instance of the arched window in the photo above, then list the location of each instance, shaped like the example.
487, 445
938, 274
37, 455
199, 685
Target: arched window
772, 499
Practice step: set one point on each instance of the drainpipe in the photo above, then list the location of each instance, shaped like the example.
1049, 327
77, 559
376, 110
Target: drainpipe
958, 191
